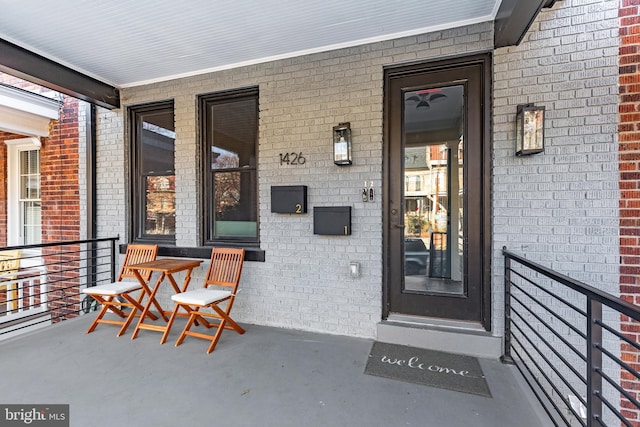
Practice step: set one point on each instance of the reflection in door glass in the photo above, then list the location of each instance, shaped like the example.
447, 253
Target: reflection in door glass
433, 135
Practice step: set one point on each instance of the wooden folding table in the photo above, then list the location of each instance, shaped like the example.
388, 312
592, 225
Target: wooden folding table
166, 267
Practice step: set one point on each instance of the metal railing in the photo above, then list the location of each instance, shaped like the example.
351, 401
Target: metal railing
576, 346
47, 286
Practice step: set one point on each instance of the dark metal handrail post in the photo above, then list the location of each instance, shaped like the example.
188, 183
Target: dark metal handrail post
113, 261
506, 357
92, 270
594, 362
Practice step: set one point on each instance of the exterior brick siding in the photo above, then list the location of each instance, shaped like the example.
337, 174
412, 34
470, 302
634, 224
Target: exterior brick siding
59, 176
305, 282
575, 208
629, 155
3, 187
3, 206
560, 208
60, 195
61, 209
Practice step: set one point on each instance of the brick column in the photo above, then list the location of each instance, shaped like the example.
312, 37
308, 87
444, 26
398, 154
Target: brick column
629, 162
61, 210
3, 185
3, 205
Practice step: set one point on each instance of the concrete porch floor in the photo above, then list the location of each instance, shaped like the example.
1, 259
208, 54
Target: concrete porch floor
266, 377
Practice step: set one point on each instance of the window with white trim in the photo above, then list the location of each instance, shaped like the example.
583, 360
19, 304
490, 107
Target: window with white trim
24, 221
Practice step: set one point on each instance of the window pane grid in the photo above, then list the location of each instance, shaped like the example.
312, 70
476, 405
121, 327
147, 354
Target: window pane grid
30, 175
31, 222
29, 197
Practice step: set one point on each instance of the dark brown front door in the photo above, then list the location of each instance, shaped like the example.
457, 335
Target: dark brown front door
436, 165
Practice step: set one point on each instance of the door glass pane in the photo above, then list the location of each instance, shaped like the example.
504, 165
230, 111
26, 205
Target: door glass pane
433, 135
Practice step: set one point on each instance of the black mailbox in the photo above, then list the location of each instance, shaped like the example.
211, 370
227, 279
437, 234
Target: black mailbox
289, 199
332, 220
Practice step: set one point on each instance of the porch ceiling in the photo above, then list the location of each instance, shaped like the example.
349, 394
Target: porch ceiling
128, 43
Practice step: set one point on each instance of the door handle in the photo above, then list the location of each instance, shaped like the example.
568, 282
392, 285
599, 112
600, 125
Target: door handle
398, 226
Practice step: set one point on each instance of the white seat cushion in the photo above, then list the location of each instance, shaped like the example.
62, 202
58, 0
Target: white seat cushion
115, 288
201, 297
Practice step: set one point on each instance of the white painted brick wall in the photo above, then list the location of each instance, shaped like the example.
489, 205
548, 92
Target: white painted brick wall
561, 207
304, 283
111, 180
555, 206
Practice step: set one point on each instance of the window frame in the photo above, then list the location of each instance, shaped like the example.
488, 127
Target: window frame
15, 226
207, 176
137, 183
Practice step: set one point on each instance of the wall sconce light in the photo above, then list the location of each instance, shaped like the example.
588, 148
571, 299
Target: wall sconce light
529, 129
342, 144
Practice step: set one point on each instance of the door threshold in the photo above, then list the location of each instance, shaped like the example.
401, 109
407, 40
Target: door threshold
436, 323
468, 338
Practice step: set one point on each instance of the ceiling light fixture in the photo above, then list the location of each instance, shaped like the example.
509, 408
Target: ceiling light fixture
424, 98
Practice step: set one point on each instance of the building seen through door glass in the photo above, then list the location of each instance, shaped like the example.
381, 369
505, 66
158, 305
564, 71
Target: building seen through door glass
434, 190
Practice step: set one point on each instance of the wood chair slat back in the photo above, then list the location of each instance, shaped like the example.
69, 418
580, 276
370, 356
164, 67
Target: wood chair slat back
137, 254
225, 268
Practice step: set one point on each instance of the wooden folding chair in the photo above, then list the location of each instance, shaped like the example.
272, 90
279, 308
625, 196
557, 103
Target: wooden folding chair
218, 293
9, 267
108, 295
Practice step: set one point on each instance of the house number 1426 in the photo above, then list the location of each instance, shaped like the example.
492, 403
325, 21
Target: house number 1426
293, 159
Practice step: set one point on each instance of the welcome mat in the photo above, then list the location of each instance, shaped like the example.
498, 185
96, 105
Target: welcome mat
427, 367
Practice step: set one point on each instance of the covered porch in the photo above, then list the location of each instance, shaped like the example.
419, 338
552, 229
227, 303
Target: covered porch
268, 377
275, 374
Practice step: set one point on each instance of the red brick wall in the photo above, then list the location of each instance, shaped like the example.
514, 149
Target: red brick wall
629, 159
3, 198
61, 207
60, 199
59, 177
3, 185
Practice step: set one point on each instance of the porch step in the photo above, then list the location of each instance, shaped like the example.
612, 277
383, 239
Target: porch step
434, 334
